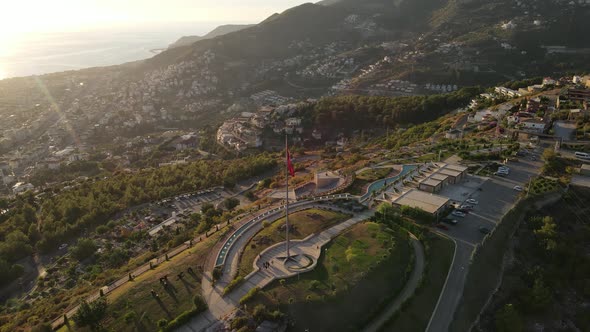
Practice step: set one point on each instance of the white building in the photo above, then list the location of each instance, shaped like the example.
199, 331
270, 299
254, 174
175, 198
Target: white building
533, 125
548, 81
21, 187
507, 92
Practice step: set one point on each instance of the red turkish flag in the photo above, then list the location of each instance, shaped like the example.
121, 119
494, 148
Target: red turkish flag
290, 164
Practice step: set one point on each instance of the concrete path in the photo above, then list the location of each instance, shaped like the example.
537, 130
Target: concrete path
221, 307
406, 292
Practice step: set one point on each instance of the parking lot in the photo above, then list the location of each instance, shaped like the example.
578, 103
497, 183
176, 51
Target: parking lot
496, 197
187, 204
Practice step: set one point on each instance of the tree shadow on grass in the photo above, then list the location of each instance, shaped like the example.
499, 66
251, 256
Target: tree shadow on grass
187, 285
171, 290
194, 275
163, 306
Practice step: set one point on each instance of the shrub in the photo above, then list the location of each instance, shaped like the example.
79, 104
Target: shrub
314, 284
129, 317
199, 302
239, 322
260, 313
162, 323
251, 293
217, 273
233, 284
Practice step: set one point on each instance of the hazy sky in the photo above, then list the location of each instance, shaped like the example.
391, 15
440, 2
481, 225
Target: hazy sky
49, 15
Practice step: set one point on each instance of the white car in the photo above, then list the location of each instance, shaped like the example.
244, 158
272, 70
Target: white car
517, 188
472, 201
458, 214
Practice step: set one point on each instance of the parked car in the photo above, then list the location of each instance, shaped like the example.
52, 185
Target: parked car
484, 230
63, 246
466, 207
518, 188
450, 221
465, 211
472, 201
458, 214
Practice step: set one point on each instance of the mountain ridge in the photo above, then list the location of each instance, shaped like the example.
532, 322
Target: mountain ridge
218, 31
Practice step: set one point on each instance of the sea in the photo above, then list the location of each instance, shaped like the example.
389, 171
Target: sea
48, 52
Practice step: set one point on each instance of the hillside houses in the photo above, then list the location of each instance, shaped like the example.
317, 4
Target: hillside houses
239, 134
184, 142
489, 114
507, 92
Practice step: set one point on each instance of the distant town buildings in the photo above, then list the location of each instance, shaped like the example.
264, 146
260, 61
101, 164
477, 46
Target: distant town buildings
21, 187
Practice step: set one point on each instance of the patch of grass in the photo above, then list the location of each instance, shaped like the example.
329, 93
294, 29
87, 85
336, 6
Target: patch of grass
366, 177
541, 185
360, 270
304, 223
374, 174
415, 314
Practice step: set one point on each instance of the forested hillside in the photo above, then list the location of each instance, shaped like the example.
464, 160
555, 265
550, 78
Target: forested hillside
362, 112
61, 215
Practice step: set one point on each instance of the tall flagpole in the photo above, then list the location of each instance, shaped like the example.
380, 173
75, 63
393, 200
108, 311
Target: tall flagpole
287, 195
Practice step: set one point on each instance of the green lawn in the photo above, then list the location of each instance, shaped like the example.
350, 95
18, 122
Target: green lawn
304, 223
366, 177
415, 314
361, 270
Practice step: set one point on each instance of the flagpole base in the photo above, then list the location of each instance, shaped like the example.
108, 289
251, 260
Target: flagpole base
289, 258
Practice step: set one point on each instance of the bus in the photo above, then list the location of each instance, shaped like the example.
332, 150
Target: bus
582, 155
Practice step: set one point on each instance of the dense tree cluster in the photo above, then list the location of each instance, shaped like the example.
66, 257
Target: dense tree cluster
91, 314
358, 112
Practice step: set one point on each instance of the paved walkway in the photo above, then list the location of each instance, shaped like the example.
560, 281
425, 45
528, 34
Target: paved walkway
221, 307
406, 292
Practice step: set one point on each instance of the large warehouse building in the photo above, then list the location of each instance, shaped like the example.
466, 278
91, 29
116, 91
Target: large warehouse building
431, 203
